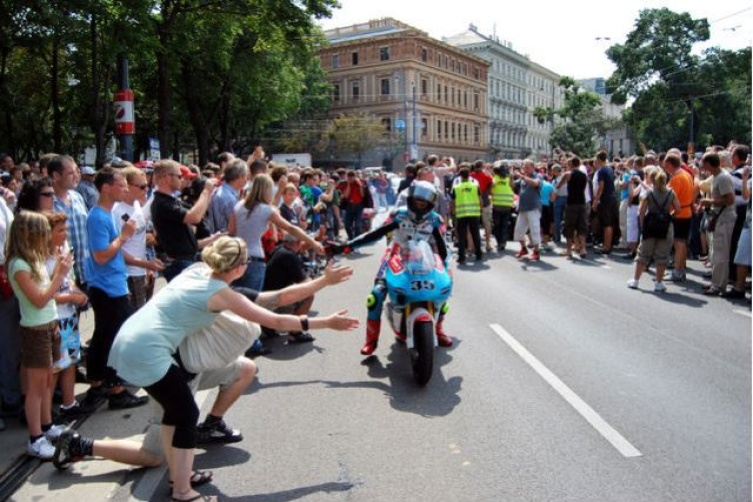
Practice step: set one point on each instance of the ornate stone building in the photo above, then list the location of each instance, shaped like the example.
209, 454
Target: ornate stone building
430, 96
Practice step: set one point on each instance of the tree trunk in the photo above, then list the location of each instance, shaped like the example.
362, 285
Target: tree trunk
57, 136
195, 115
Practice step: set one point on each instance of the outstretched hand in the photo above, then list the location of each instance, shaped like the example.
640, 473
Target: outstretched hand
340, 322
335, 273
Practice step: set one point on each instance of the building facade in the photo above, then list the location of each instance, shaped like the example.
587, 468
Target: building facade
516, 87
430, 96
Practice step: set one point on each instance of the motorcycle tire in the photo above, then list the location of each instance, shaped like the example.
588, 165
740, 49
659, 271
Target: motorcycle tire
422, 354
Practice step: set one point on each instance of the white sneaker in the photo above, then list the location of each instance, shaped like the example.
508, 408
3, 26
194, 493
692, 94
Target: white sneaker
41, 448
54, 432
632, 284
659, 287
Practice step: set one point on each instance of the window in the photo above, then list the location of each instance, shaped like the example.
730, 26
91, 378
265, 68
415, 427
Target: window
476, 136
335, 61
439, 129
475, 101
424, 127
387, 124
424, 55
446, 129
336, 93
424, 87
355, 90
354, 58
465, 132
453, 132
439, 92
384, 86
384, 54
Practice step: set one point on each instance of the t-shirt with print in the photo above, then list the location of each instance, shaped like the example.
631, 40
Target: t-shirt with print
136, 245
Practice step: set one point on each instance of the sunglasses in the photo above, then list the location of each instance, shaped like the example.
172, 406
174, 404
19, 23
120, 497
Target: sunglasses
47, 194
140, 187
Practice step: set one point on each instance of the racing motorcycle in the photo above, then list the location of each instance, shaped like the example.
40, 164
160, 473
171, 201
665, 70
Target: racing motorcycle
418, 285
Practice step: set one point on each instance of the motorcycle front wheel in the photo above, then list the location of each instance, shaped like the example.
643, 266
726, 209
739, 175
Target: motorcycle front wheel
422, 353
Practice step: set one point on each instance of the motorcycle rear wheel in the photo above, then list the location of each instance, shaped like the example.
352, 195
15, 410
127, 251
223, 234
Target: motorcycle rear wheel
422, 354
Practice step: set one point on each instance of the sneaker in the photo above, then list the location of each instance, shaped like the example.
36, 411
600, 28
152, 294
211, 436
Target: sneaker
632, 284
62, 457
522, 253
125, 400
217, 432
674, 276
41, 448
54, 432
75, 412
733, 293
257, 349
659, 287
301, 338
535, 255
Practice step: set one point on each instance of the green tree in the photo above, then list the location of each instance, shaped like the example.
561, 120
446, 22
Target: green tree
350, 136
582, 119
679, 96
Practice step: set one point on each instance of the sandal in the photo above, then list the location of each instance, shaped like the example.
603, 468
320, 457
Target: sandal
198, 478
203, 498
301, 338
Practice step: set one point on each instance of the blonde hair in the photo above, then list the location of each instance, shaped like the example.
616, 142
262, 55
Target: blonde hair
260, 193
29, 239
660, 180
132, 173
225, 254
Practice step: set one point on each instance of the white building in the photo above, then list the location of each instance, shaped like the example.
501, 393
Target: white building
516, 86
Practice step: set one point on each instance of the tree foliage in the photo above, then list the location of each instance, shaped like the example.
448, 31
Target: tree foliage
679, 96
207, 75
581, 119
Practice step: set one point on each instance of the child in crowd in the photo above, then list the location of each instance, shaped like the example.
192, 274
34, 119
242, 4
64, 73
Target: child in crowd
67, 298
26, 253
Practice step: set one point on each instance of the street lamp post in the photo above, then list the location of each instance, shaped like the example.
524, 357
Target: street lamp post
414, 147
404, 120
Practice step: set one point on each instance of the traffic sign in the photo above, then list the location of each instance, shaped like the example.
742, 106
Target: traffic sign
399, 124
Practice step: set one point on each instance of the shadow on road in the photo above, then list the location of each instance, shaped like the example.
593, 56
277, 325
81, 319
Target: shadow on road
288, 495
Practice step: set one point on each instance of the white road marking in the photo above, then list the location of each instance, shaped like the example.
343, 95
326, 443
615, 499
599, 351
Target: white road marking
745, 313
602, 427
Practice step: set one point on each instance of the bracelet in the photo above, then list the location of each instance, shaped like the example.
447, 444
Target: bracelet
304, 323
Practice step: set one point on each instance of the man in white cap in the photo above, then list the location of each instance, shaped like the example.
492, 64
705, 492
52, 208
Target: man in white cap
86, 187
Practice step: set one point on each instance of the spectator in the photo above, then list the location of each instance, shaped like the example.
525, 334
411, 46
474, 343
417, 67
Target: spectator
37, 195
503, 197
68, 300
683, 186
108, 291
227, 195
10, 384
575, 227
529, 210
658, 199
560, 201
190, 303
86, 187
27, 249
721, 204
604, 202
354, 196
172, 221
62, 169
742, 255
139, 267
484, 181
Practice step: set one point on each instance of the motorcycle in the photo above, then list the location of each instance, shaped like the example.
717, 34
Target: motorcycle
418, 285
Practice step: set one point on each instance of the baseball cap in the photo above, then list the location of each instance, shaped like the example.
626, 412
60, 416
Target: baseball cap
88, 170
187, 173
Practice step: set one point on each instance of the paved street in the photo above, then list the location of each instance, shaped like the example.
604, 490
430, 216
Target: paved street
563, 385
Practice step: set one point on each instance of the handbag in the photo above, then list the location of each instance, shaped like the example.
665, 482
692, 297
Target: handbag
218, 345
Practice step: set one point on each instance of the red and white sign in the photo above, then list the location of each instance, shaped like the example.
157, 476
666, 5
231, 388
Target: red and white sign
124, 121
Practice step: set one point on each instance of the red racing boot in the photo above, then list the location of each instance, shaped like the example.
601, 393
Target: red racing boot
372, 337
442, 338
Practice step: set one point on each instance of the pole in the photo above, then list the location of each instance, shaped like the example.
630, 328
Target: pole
405, 116
414, 148
691, 146
125, 134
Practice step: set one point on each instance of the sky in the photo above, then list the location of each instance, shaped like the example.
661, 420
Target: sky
565, 37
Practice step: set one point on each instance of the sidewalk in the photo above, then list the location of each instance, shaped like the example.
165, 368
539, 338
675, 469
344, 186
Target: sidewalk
91, 480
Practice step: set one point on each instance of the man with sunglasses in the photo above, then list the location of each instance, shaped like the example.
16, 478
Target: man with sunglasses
173, 221
139, 267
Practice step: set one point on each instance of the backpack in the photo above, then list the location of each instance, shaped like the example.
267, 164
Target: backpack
656, 225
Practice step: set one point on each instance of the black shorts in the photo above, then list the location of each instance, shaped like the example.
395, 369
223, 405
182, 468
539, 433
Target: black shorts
546, 219
608, 213
681, 228
575, 221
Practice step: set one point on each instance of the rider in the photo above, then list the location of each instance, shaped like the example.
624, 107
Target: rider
417, 222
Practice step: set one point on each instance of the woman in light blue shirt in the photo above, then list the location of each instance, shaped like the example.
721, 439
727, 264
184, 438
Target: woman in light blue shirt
144, 347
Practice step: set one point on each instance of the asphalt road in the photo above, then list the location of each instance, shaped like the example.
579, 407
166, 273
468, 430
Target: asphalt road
563, 385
